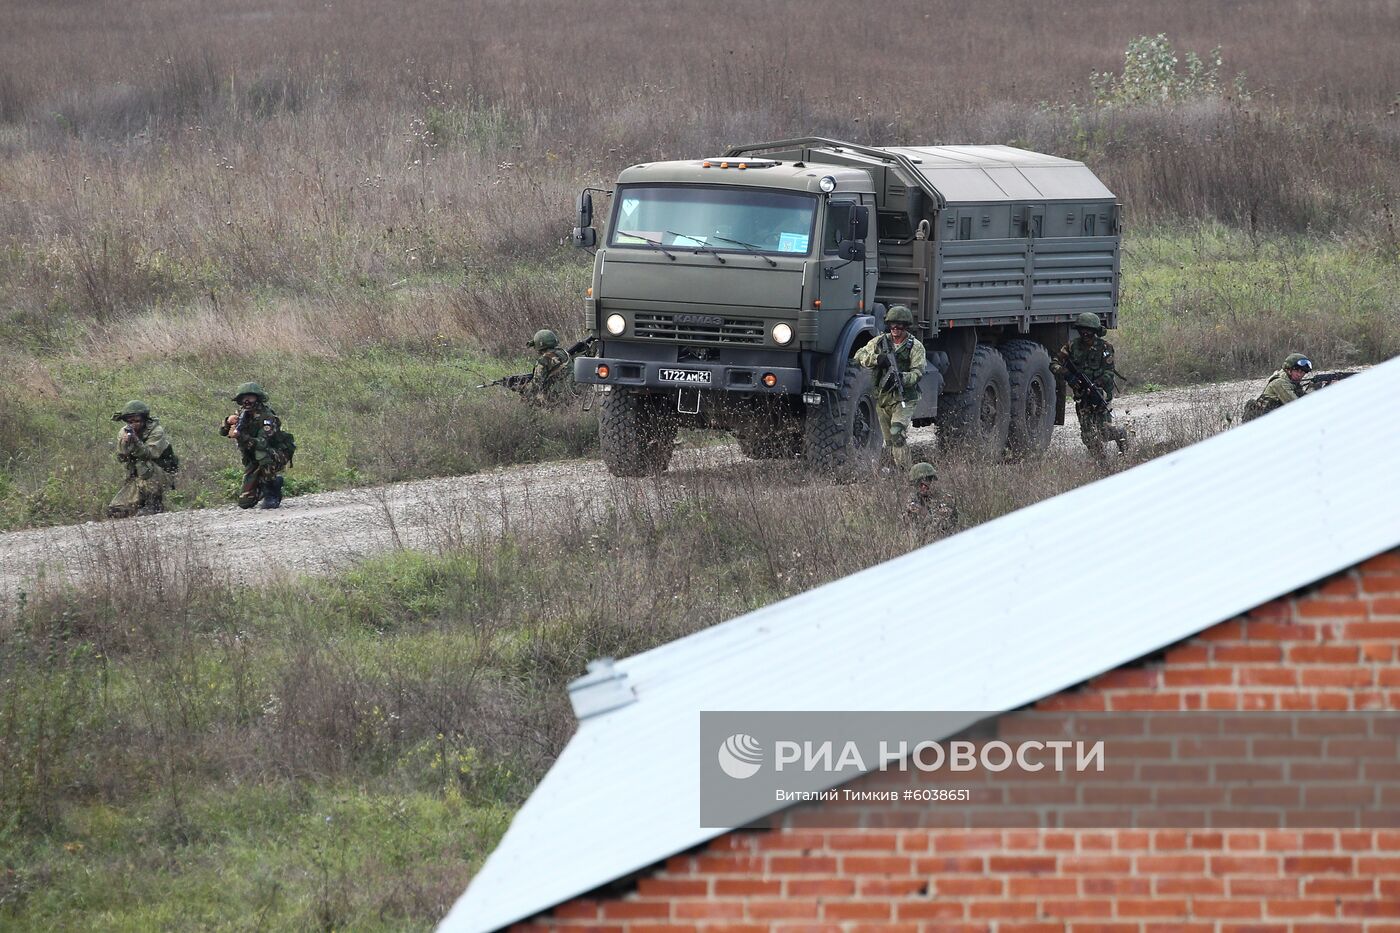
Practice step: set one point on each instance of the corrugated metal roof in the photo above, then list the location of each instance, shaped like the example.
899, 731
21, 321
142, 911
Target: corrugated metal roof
990, 619
980, 174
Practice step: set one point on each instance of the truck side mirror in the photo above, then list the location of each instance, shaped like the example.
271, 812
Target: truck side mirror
585, 210
860, 223
853, 250
585, 237
840, 219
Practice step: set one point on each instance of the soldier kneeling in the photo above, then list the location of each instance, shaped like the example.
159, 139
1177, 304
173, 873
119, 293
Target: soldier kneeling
266, 449
144, 448
930, 510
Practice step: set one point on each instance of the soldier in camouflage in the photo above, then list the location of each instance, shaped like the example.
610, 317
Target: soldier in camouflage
896, 418
1284, 386
1093, 357
265, 448
551, 381
930, 511
144, 449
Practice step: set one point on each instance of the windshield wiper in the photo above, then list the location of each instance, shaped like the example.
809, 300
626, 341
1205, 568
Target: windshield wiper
700, 244
750, 247
650, 242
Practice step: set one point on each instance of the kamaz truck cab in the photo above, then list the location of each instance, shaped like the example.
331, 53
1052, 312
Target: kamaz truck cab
731, 292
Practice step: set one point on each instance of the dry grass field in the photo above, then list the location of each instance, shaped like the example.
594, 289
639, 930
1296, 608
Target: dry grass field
353, 201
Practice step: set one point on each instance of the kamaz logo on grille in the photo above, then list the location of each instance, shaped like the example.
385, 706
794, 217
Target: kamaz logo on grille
708, 320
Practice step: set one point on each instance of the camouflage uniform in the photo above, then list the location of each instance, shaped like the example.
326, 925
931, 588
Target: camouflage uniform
1092, 356
1281, 387
146, 453
930, 511
266, 450
551, 381
895, 420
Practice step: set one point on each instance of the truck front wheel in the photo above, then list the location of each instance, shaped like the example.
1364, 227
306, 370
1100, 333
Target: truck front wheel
978, 418
1032, 397
637, 433
841, 436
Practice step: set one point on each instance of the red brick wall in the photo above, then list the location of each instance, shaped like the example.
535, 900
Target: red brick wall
1333, 647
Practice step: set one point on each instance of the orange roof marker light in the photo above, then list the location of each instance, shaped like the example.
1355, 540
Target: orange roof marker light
705, 164
817, 303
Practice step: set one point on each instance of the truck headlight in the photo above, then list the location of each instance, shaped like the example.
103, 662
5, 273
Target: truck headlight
782, 334
615, 324
827, 183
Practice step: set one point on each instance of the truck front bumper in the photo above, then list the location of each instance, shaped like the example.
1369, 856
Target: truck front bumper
718, 377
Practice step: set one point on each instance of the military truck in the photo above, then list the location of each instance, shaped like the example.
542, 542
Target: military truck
732, 292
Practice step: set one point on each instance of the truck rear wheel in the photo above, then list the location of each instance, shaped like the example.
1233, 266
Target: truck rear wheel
978, 418
841, 436
637, 433
1032, 397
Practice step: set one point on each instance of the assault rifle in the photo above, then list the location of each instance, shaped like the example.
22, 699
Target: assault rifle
517, 381
1081, 384
1322, 380
585, 344
892, 366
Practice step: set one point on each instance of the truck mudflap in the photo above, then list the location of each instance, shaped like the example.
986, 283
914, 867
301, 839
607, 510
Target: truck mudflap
639, 374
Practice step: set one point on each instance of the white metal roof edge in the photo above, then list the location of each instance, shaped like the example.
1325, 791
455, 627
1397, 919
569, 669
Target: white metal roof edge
601, 814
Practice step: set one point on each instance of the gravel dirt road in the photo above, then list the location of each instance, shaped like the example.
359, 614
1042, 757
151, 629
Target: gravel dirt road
322, 532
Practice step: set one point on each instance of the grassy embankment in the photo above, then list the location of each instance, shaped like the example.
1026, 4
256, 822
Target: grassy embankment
180, 751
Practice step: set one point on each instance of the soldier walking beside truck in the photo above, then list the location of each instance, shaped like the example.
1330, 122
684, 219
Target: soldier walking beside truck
898, 359
144, 449
1086, 364
265, 448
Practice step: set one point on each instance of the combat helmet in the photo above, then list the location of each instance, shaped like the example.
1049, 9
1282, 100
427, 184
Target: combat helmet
543, 340
923, 472
1088, 320
133, 407
1299, 361
250, 388
899, 314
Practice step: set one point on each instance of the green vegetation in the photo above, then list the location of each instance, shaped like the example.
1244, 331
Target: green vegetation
179, 750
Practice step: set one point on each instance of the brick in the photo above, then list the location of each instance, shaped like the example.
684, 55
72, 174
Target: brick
1224, 909
1116, 886
1323, 654
1021, 864
954, 841
1339, 887
929, 910
1243, 865
1171, 864
1377, 651
1245, 841
1154, 907
1077, 907
1337, 677
820, 887
949, 864
1229, 630
1302, 907
892, 887
1343, 585
791, 840
800, 865
1247, 654
857, 910
1318, 864
1331, 609
1081, 927
1388, 562
577, 909
1202, 677
1364, 631
1013, 926
865, 841
676, 887
729, 865
1188, 654
633, 910
1384, 606
875, 865
1171, 885
782, 910
746, 887
1001, 910
1380, 583
963, 887
1387, 907
708, 910
1268, 677
1332, 928
1282, 631
1145, 702
1263, 887
1158, 927
1040, 887
1096, 864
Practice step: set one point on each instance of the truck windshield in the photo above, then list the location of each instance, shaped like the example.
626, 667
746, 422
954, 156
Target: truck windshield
721, 219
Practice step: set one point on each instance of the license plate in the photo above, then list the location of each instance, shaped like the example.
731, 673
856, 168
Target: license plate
689, 376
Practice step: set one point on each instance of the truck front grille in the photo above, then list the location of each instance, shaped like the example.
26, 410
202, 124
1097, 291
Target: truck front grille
692, 327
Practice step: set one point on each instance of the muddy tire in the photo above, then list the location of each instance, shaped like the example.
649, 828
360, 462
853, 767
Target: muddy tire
978, 419
636, 433
841, 437
1032, 397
